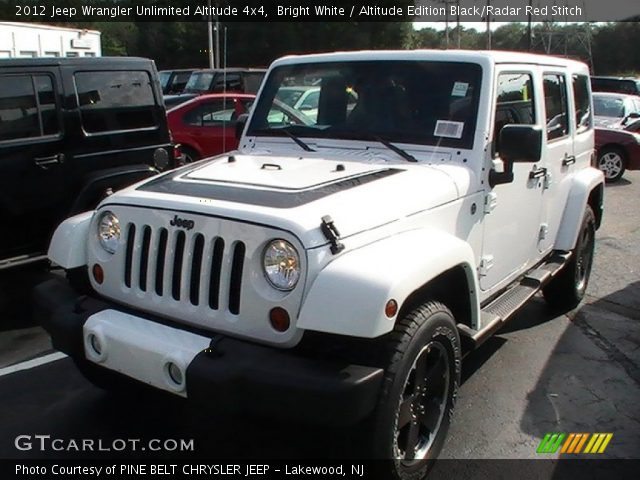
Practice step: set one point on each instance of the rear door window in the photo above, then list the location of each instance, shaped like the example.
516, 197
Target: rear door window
113, 101
23, 114
555, 103
582, 103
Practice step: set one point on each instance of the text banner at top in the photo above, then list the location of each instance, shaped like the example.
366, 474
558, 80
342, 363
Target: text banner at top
44, 11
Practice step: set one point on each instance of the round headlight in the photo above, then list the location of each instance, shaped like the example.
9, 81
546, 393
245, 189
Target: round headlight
281, 265
109, 232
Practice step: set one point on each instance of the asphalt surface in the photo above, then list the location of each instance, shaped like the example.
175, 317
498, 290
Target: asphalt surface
578, 372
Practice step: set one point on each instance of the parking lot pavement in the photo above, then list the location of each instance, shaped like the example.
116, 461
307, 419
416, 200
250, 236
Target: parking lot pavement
578, 372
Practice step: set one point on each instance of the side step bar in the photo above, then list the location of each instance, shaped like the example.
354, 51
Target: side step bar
495, 314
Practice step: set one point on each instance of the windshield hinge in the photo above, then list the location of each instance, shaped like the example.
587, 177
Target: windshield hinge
332, 234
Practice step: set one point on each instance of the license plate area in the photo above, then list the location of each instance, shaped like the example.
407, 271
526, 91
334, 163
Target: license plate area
149, 352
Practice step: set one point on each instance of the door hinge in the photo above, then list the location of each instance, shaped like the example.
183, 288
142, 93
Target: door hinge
486, 264
490, 202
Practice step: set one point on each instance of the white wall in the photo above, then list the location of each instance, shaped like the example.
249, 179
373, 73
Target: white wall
32, 40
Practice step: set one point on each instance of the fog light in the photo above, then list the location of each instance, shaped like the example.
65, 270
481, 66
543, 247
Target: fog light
98, 274
279, 319
175, 373
391, 308
95, 344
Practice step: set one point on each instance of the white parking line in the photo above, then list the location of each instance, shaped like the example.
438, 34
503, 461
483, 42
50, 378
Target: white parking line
35, 362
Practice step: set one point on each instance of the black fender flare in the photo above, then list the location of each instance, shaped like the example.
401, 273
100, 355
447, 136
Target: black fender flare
96, 184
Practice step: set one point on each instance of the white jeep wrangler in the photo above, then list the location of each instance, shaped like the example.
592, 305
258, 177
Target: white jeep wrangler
338, 265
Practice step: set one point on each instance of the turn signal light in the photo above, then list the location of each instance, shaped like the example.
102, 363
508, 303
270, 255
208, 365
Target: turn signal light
279, 319
98, 274
391, 308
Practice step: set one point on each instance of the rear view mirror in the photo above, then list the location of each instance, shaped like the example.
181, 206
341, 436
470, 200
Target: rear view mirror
521, 143
241, 122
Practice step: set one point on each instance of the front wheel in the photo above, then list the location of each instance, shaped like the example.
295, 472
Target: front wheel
567, 289
612, 162
419, 391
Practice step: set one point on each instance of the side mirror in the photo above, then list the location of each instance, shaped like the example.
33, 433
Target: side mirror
521, 143
241, 122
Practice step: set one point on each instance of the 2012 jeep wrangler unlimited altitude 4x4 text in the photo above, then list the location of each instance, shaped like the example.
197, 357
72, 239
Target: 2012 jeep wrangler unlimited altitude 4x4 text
342, 265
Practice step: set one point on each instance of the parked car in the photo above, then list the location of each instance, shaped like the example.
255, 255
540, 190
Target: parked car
617, 151
617, 120
628, 85
71, 130
240, 80
338, 271
615, 110
174, 81
205, 126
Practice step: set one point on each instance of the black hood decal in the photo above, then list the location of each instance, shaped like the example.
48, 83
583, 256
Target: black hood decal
267, 198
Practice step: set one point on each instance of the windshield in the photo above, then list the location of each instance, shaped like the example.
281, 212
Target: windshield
608, 106
199, 82
430, 103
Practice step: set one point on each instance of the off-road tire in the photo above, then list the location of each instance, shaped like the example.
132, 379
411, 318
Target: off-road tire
427, 340
568, 288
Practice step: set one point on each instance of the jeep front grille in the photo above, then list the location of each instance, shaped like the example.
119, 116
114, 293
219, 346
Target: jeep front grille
179, 264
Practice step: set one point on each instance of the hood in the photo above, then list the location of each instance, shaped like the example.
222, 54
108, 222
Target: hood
294, 193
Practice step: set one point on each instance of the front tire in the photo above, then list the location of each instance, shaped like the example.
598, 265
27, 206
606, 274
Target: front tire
567, 289
419, 391
613, 163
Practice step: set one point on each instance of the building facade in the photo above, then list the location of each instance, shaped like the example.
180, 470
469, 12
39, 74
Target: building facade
23, 40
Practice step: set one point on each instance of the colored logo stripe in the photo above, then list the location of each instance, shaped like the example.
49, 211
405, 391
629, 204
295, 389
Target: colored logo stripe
598, 442
550, 443
574, 443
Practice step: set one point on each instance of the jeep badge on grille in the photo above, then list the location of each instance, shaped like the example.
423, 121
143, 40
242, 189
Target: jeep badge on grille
182, 222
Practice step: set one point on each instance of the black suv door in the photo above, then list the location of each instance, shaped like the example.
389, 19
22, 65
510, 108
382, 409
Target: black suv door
34, 178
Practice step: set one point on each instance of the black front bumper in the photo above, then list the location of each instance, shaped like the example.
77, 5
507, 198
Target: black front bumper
233, 374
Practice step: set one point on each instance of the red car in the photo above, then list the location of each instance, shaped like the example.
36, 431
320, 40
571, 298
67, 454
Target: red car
618, 150
205, 126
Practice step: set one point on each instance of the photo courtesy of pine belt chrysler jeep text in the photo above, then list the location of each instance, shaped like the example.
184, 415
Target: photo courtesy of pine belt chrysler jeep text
337, 267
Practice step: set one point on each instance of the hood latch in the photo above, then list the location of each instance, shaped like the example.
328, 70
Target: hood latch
332, 234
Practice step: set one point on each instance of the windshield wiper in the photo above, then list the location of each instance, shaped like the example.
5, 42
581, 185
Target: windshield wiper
296, 139
403, 153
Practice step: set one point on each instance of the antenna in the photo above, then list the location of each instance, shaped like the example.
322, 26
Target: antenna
224, 91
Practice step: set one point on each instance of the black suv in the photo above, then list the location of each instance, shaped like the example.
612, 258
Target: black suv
174, 81
628, 85
242, 80
71, 131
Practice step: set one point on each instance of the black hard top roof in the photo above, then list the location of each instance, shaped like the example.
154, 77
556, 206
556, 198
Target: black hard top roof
72, 61
231, 69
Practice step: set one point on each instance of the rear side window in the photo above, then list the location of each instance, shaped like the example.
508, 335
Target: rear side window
252, 82
211, 114
115, 100
231, 80
514, 104
581, 101
27, 107
555, 104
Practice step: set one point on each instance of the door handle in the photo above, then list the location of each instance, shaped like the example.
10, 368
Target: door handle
46, 162
537, 173
568, 160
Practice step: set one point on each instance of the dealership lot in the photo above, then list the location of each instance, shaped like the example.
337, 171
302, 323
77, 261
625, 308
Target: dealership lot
542, 373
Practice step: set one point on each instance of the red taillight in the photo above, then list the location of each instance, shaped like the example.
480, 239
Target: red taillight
177, 155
